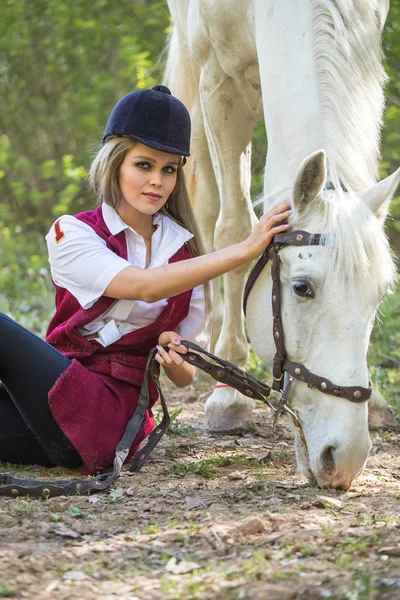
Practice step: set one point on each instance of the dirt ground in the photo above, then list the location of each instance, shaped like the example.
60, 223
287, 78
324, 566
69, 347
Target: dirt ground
211, 518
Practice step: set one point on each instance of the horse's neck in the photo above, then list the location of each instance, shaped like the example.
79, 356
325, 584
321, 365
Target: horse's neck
322, 88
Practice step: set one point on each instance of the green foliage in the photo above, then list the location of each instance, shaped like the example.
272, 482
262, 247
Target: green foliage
384, 352
26, 291
66, 65
391, 127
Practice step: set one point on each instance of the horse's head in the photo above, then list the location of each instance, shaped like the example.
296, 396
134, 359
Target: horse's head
329, 297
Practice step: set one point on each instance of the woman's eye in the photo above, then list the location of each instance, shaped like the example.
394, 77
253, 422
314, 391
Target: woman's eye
303, 288
143, 165
170, 170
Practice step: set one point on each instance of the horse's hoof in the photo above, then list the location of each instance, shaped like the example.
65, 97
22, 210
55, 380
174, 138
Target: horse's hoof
228, 412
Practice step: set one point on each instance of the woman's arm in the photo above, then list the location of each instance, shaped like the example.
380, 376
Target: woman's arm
151, 285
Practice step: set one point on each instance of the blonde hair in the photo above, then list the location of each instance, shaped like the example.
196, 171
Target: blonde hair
104, 179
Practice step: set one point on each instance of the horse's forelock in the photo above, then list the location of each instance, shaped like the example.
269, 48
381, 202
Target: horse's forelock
358, 248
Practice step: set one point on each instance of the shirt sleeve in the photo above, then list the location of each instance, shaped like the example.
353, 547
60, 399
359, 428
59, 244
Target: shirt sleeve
80, 261
192, 326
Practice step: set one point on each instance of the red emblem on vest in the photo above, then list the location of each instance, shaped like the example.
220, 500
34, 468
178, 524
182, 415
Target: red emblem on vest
58, 232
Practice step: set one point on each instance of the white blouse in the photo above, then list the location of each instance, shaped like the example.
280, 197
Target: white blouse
81, 263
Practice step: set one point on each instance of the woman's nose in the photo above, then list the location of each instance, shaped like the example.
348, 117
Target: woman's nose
155, 179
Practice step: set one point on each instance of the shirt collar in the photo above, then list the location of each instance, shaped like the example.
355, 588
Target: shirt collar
169, 233
112, 219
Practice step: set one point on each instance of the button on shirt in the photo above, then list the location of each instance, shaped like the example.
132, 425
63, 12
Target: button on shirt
81, 263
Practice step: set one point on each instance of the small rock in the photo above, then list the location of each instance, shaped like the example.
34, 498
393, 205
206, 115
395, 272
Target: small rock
236, 475
195, 502
265, 457
65, 531
249, 526
93, 499
75, 576
180, 568
171, 535
294, 496
52, 586
327, 502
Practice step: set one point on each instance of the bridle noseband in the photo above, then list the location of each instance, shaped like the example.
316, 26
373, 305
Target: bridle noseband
281, 363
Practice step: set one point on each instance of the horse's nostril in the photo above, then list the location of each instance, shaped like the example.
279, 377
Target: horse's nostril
328, 461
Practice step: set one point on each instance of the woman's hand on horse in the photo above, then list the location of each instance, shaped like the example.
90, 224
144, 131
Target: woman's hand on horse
172, 357
269, 225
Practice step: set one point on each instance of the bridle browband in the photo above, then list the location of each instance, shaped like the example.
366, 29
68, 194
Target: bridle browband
222, 371
281, 363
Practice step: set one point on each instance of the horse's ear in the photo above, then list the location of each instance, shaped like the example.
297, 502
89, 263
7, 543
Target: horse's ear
378, 197
310, 179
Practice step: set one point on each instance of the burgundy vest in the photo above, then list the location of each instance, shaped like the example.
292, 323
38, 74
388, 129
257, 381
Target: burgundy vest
97, 395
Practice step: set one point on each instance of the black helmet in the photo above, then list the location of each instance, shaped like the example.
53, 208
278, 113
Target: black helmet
153, 117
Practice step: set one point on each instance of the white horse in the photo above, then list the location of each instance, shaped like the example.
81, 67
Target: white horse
314, 68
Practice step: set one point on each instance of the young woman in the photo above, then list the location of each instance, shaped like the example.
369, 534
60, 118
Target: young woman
128, 276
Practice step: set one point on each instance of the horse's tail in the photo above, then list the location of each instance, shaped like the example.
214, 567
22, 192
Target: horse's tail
181, 76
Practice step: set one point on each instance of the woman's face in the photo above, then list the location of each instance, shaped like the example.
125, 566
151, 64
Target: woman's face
146, 178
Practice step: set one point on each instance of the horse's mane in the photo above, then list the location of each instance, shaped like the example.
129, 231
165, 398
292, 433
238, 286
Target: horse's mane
350, 78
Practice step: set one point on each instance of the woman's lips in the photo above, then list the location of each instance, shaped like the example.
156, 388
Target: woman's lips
153, 197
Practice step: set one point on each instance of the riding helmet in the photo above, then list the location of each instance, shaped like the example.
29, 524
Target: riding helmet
153, 117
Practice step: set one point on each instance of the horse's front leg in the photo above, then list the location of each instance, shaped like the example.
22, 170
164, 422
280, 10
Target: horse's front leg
229, 122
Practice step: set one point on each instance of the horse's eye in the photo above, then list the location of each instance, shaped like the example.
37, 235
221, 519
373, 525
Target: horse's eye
303, 288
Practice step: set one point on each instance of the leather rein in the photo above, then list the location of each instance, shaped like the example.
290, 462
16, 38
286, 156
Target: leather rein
221, 370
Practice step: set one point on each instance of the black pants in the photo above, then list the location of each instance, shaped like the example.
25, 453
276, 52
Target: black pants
29, 367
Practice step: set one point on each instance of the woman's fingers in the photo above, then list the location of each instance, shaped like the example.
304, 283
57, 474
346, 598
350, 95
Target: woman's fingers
280, 208
178, 347
162, 356
176, 358
170, 358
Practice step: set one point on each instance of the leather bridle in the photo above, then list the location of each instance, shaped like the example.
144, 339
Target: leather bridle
281, 363
284, 373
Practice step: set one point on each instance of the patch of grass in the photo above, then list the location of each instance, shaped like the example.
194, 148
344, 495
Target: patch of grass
278, 576
23, 507
6, 592
384, 351
176, 427
255, 566
152, 528
208, 467
205, 468
327, 530
362, 587
343, 562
